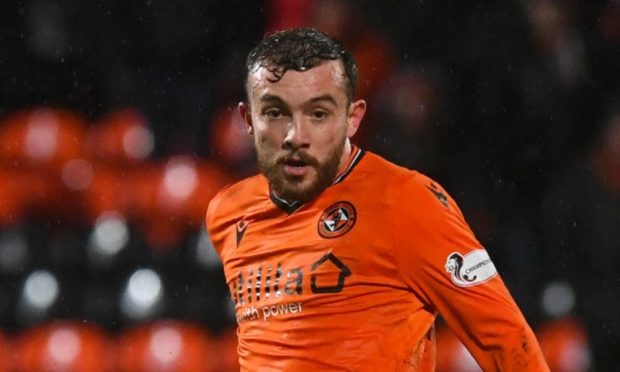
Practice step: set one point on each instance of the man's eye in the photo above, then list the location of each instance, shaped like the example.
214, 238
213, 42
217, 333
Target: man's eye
273, 113
319, 115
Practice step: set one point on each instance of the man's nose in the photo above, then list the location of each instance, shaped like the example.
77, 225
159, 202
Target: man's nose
297, 135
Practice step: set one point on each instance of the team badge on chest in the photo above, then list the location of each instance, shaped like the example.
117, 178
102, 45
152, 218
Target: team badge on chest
337, 220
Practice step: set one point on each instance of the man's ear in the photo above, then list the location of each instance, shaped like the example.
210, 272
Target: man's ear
246, 114
357, 109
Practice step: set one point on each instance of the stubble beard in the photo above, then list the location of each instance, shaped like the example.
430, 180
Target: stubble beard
289, 187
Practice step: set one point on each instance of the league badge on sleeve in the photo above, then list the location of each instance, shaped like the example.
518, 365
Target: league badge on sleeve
473, 268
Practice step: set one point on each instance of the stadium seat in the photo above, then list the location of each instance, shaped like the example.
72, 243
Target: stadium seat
166, 346
41, 137
26, 192
7, 304
169, 199
106, 193
230, 142
122, 137
64, 346
144, 296
13, 196
44, 148
15, 252
16, 257
113, 244
45, 295
6, 353
565, 345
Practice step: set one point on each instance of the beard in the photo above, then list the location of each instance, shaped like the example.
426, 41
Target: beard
292, 188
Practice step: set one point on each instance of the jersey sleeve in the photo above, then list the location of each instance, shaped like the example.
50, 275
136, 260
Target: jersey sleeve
440, 259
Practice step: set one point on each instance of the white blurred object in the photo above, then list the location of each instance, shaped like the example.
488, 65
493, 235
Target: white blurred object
63, 347
138, 142
109, 237
143, 295
558, 299
42, 135
40, 292
180, 180
166, 345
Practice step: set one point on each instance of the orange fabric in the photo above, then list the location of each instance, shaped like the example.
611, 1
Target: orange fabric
226, 349
328, 290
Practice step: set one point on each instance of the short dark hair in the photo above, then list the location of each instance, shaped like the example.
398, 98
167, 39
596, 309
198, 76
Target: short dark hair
300, 49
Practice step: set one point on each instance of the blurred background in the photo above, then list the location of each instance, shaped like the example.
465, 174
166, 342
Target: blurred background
118, 123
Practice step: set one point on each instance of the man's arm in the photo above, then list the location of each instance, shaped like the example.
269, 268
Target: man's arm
442, 262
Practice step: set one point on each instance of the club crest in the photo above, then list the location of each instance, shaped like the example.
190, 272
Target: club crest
337, 220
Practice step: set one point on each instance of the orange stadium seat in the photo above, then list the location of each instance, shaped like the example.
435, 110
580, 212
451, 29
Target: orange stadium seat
14, 196
41, 137
166, 346
43, 147
25, 190
64, 346
565, 345
171, 198
6, 353
106, 192
122, 137
230, 141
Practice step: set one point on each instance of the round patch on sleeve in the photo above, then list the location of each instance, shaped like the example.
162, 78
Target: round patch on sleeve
473, 268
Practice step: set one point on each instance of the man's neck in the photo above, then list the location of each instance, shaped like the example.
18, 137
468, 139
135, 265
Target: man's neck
346, 155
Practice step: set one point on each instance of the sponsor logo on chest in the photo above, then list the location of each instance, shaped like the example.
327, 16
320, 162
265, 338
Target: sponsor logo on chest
274, 287
253, 289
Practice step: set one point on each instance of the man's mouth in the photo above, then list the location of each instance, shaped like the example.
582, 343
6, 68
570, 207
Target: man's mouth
295, 167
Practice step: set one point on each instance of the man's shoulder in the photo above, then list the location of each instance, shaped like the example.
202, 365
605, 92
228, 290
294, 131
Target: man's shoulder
392, 174
237, 197
408, 189
246, 187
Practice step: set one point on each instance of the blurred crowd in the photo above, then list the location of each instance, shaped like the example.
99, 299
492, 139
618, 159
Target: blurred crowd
118, 123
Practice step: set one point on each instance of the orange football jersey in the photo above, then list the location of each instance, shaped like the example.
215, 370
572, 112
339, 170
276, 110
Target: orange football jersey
353, 280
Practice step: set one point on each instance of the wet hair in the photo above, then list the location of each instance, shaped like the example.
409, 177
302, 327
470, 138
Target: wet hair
300, 49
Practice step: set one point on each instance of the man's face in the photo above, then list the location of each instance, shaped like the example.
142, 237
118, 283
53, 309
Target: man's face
301, 126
